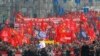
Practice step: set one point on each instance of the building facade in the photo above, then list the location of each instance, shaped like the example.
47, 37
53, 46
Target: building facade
39, 8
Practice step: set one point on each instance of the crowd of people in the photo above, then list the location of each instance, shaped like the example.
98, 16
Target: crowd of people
73, 49
82, 48
78, 47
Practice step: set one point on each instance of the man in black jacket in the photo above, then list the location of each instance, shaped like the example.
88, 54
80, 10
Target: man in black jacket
43, 52
10, 52
85, 50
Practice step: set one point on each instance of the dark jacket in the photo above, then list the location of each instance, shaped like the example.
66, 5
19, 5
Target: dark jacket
85, 50
67, 52
43, 52
10, 53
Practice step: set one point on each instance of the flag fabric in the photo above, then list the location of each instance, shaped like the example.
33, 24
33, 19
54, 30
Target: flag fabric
5, 34
42, 34
91, 34
65, 29
83, 35
43, 25
11, 36
83, 18
19, 17
29, 27
64, 34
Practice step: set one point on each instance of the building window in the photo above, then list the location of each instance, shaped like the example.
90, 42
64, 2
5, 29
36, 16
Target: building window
1, 2
25, 1
97, 0
24, 10
44, 1
64, 1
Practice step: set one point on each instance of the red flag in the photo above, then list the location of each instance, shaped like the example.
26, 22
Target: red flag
26, 40
29, 27
98, 25
83, 18
57, 31
19, 17
13, 42
91, 33
5, 34
43, 25
20, 37
22, 29
73, 26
